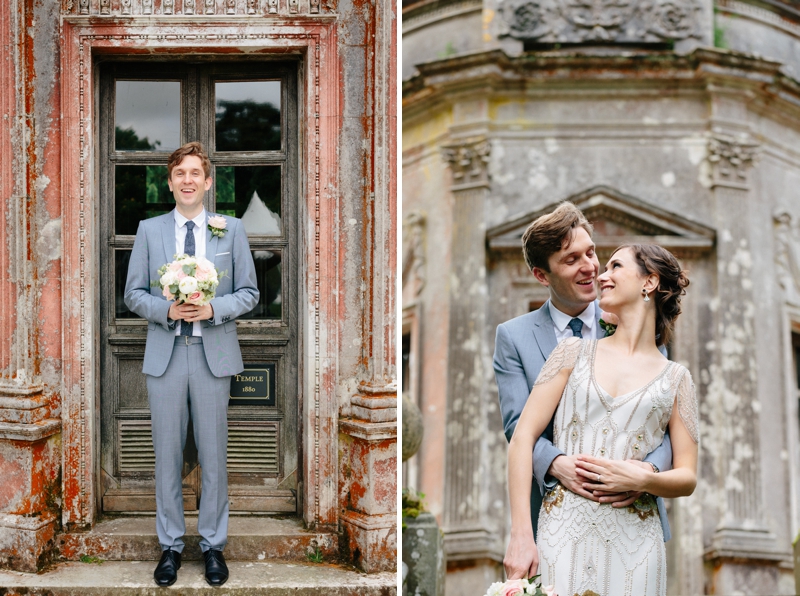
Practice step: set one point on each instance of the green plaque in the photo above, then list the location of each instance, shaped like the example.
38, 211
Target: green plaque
255, 385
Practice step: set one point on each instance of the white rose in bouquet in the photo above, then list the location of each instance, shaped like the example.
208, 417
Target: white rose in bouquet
188, 285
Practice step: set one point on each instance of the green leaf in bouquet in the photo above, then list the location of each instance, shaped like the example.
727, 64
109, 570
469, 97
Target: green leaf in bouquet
173, 289
188, 269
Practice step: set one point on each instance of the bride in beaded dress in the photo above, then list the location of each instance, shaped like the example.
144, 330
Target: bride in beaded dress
613, 400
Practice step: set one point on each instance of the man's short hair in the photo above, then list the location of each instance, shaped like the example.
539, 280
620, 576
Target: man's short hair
193, 148
550, 233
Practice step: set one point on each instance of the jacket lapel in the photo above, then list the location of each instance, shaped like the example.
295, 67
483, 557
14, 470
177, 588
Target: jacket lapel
211, 241
168, 236
543, 330
599, 332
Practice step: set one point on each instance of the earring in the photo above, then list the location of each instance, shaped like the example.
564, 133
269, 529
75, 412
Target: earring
646, 297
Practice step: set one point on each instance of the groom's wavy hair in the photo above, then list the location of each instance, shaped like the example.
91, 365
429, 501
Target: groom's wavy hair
193, 148
672, 282
550, 233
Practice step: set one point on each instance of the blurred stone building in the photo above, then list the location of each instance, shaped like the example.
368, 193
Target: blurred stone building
295, 100
667, 121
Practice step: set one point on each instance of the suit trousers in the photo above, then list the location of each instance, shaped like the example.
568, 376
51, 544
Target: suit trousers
189, 386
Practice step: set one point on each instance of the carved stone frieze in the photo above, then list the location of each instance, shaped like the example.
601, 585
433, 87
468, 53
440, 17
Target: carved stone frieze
787, 255
469, 162
620, 21
177, 8
731, 157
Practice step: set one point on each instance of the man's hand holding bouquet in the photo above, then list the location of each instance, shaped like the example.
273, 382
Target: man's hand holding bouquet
192, 283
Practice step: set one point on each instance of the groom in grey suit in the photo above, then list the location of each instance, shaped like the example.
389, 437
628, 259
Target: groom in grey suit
560, 253
190, 355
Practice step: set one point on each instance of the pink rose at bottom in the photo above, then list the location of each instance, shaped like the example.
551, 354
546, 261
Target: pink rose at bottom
195, 297
512, 587
550, 590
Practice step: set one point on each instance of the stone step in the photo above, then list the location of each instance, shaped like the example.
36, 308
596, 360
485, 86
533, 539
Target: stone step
250, 538
135, 578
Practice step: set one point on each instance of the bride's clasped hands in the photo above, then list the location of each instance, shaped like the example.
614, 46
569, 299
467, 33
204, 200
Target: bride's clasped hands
603, 477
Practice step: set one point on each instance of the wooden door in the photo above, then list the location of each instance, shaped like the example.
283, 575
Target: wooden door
246, 115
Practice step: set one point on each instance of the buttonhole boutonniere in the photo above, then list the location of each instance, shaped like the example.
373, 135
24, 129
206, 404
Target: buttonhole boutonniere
217, 225
608, 328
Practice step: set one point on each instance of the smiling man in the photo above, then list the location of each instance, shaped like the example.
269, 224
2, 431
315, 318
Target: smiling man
190, 355
560, 253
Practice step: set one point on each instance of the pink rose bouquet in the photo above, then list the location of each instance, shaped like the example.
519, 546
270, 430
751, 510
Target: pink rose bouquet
193, 280
521, 587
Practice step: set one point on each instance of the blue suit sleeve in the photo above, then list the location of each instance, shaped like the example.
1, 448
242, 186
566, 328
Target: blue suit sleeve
513, 391
661, 456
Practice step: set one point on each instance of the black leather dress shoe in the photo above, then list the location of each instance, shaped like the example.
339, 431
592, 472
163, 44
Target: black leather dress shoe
167, 569
216, 569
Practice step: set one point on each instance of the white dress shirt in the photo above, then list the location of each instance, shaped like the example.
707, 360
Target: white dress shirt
561, 322
199, 250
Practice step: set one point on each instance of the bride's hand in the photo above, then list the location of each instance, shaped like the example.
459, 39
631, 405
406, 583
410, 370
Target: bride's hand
610, 475
522, 557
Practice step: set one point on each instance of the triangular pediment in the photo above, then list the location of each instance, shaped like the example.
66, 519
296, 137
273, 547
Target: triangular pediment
617, 219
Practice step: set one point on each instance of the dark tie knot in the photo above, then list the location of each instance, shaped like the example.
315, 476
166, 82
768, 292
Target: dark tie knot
190, 225
576, 325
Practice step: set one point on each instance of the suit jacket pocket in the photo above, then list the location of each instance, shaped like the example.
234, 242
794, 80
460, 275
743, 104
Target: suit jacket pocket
230, 326
151, 326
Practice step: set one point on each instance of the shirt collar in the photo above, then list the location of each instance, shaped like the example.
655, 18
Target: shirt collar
561, 320
198, 221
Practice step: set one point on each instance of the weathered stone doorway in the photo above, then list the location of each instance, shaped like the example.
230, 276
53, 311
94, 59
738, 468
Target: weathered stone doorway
245, 112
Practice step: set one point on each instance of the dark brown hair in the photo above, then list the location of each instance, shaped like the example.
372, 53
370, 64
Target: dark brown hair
193, 148
672, 282
550, 233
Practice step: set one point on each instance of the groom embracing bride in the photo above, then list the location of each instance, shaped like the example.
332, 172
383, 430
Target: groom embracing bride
597, 456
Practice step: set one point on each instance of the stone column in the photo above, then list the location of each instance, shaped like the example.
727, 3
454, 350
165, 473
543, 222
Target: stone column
742, 537
467, 536
368, 439
29, 414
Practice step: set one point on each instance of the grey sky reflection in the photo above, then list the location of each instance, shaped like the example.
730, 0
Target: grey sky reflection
257, 91
152, 109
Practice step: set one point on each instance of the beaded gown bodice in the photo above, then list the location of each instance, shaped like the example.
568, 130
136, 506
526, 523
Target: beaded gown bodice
591, 548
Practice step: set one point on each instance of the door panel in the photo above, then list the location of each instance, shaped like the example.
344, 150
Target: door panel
245, 114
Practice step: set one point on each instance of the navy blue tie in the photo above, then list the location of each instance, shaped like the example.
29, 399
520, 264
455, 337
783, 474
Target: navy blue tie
576, 325
188, 248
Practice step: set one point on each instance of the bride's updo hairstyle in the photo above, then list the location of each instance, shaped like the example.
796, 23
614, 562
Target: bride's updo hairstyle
653, 259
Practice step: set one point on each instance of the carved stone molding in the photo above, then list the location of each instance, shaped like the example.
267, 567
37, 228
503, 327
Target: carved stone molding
731, 157
620, 21
469, 162
178, 8
414, 252
787, 255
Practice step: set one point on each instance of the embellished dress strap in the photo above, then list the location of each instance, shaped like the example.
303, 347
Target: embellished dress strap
687, 405
563, 356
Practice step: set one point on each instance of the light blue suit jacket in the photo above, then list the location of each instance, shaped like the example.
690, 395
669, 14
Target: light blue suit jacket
521, 347
237, 293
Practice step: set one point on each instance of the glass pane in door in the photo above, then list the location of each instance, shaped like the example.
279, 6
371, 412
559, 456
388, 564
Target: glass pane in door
147, 116
140, 192
248, 116
121, 259
253, 194
268, 281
